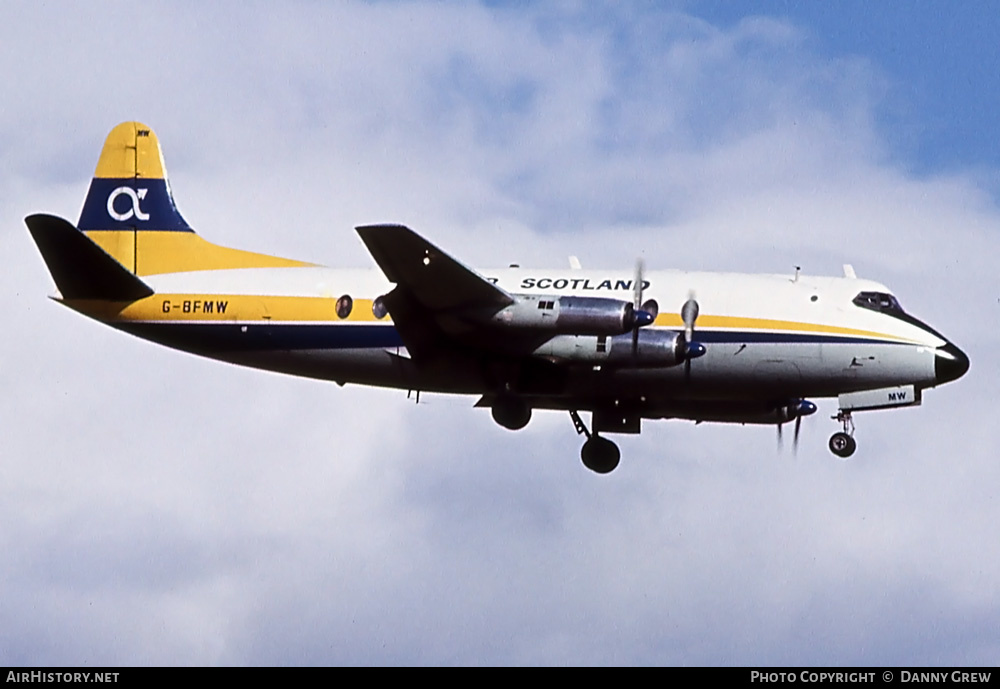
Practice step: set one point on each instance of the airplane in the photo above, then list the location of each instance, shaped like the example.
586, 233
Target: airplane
626, 346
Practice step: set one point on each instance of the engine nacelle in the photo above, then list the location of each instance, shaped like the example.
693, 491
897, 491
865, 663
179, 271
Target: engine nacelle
656, 348
570, 315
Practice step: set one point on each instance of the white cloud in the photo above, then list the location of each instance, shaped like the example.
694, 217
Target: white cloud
158, 508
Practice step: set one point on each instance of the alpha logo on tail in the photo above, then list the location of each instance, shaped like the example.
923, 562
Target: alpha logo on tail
133, 194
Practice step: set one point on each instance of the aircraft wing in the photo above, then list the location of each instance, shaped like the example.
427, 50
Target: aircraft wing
429, 276
434, 292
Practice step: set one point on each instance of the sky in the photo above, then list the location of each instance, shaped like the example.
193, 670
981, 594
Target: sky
158, 508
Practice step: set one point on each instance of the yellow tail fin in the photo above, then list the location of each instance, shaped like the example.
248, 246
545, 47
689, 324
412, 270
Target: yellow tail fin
130, 213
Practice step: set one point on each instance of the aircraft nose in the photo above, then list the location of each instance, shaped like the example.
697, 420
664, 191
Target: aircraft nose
950, 363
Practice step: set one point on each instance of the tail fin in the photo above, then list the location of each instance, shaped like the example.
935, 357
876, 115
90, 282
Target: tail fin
130, 191
130, 213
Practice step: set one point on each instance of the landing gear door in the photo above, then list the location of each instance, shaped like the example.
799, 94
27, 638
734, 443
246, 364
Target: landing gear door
883, 398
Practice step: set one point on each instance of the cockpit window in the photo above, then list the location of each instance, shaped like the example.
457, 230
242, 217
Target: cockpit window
878, 301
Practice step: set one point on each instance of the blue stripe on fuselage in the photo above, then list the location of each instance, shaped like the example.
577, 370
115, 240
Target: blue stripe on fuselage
262, 336
236, 337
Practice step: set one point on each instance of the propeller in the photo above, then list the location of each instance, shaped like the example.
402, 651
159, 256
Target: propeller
642, 313
692, 349
795, 436
797, 409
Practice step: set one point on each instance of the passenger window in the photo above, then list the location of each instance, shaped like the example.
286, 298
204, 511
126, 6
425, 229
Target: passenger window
344, 306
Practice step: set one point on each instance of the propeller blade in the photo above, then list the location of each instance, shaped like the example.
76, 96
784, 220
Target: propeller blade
641, 317
692, 349
689, 314
795, 438
637, 284
780, 441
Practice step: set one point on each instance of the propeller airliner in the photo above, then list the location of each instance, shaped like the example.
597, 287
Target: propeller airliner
624, 346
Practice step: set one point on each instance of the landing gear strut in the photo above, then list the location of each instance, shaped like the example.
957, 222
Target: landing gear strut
599, 454
843, 443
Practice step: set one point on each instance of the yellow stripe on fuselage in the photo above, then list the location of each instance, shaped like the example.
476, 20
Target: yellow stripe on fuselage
170, 308
706, 322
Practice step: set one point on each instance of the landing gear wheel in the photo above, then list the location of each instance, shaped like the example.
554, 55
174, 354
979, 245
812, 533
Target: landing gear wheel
511, 413
600, 454
842, 445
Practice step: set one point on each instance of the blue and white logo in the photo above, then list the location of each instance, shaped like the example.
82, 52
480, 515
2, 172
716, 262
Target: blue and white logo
135, 210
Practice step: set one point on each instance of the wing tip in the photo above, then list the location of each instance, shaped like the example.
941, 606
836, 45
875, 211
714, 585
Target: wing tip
378, 227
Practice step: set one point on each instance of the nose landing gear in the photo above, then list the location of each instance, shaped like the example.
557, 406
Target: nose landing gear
843, 443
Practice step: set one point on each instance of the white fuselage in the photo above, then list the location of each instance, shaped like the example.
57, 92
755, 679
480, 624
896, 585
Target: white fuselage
764, 334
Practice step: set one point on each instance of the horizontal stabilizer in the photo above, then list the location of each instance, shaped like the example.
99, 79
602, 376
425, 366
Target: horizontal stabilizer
434, 279
82, 269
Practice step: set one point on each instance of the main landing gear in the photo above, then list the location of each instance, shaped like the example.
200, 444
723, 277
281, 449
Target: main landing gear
598, 454
843, 443
511, 413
